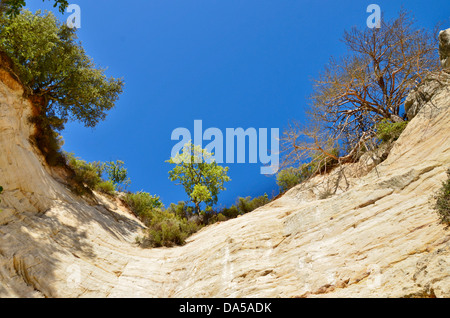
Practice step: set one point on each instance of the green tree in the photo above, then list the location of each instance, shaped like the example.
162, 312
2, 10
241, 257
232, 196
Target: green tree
57, 74
13, 7
117, 173
201, 177
55, 69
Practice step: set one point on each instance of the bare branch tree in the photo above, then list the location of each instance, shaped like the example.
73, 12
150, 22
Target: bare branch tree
354, 93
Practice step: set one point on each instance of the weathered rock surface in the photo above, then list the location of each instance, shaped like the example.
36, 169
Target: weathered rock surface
424, 92
444, 48
376, 237
431, 84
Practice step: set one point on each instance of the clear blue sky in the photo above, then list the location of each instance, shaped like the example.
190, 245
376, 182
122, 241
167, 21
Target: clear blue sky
230, 63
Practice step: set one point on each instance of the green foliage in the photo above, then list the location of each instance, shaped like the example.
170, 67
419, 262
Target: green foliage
117, 173
13, 7
107, 187
60, 78
201, 177
243, 206
90, 175
166, 229
318, 163
230, 213
289, 177
181, 210
246, 205
142, 202
388, 131
200, 193
48, 140
86, 174
220, 217
442, 197
53, 65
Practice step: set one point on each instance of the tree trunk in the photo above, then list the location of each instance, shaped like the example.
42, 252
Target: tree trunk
197, 208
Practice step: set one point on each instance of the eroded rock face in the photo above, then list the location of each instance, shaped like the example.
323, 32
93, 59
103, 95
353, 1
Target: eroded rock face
376, 237
432, 84
425, 91
28, 186
444, 48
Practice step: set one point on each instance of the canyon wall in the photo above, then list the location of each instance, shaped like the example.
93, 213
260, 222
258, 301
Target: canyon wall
377, 236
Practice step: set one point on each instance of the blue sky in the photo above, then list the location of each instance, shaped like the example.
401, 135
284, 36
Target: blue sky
233, 63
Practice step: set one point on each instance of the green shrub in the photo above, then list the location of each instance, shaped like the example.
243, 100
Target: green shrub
166, 229
289, 177
319, 163
107, 187
220, 217
246, 205
242, 206
170, 231
85, 173
48, 140
388, 131
181, 210
142, 202
231, 212
90, 175
442, 197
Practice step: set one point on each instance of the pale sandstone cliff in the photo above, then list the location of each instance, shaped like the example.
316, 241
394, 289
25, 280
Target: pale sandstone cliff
379, 238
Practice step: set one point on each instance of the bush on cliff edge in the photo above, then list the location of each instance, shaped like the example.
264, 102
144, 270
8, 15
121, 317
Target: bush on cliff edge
442, 197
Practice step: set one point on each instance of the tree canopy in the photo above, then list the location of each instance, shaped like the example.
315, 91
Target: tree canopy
117, 173
55, 69
13, 7
201, 177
